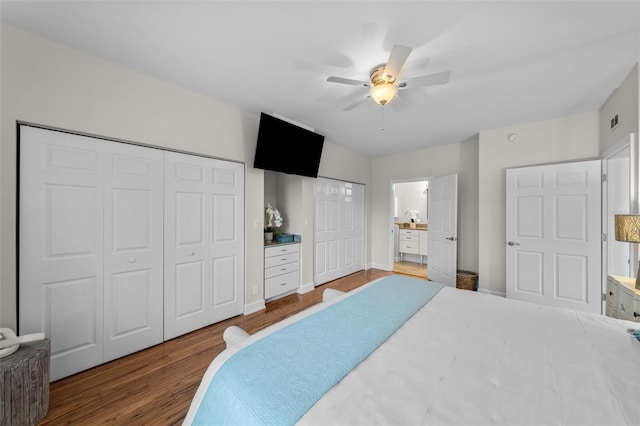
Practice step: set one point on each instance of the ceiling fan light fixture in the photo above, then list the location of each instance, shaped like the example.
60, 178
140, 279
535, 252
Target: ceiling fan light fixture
383, 93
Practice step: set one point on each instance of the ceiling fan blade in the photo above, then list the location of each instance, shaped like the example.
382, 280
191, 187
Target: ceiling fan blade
426, 80
341, 80
397, 58
356, 103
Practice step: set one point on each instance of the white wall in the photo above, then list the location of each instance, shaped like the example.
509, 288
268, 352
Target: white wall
560, 140
624, 102
461, 158
49, 84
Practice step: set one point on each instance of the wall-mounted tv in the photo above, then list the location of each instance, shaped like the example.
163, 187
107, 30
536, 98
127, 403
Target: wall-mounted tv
287, 148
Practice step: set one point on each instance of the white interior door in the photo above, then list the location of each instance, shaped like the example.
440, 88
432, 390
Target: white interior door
327, 246
61, 246
553, 254
204, 234
133, 248
443, 229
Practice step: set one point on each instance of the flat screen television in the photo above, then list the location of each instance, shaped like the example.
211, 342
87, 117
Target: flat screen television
287, 148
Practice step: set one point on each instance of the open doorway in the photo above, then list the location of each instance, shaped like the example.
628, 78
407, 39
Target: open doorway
409, 219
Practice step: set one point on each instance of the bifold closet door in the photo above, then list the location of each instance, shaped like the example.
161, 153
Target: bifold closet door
133, 255
352, 213
204, 234
61, 246
327, 237
90, 259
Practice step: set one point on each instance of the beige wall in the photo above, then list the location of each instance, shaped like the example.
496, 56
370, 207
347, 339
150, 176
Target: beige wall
460, 158
624, 102
52, 85
552, 141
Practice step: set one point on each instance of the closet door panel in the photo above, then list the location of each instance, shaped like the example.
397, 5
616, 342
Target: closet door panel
133, 249
327, 243
204, 242
339, 229
61, 246
353, 228
187, 270
227, 239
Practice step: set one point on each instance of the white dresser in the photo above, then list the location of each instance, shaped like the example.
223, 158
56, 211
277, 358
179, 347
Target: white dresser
281, 269
623, 299
412, 241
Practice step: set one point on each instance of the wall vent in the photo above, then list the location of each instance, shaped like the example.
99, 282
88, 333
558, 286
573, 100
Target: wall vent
614, 122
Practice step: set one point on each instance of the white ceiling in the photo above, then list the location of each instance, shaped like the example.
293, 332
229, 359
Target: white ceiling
511, 62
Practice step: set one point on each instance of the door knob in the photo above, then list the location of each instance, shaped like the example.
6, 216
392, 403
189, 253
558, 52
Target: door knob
511, 243
450, 238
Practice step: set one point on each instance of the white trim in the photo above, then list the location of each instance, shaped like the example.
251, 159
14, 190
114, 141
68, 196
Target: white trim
306, 288
381, 267
254, 307
493, 292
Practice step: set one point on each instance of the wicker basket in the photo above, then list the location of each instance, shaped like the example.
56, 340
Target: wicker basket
466, 280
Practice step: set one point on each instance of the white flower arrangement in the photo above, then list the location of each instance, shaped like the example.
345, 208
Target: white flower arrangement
413, 214
272, 219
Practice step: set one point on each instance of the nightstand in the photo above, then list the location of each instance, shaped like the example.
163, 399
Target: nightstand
623, 299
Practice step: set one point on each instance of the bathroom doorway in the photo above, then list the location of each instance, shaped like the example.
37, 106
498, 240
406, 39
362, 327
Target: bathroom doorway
409, 218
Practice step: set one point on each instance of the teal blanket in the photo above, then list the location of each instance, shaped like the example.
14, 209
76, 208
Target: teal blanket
277, 379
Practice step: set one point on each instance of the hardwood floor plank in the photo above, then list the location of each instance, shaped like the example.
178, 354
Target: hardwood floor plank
156, 385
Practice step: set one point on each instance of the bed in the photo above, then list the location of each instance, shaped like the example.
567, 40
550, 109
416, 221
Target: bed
406, 351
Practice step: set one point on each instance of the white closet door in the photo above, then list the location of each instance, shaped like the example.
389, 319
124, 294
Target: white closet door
327, 244
353, 228
133, 248
204, 234
61, 246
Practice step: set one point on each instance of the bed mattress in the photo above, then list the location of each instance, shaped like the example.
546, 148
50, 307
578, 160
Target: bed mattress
467, 358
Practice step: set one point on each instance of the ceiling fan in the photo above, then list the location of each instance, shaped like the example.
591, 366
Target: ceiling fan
385, 79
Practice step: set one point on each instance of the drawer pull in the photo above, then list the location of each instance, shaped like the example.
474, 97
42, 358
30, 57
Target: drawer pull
610, 293
283, 284
635, 315
132, 260
191, 253
283, 269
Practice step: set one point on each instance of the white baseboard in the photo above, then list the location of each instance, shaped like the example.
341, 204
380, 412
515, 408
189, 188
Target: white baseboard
254, 307
492, 292
306, 288
382, 267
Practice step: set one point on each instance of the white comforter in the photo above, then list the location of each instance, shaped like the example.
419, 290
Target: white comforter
473, 359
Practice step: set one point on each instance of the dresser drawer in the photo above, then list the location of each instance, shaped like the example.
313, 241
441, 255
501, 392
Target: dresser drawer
409, 234
411, 247
281, 284
612, 292
281, 259
281, 249
274, 271
626, 304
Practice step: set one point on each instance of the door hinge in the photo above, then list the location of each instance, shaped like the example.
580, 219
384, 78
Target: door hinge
604, 237
604, 297
604, 177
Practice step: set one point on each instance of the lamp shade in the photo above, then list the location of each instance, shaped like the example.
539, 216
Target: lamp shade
628, 228
383, 93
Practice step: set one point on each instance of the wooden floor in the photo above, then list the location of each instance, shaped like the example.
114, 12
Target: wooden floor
155, 386
410, 268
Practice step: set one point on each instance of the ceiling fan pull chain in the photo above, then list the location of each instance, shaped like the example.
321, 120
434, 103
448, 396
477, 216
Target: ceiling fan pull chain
382, 118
